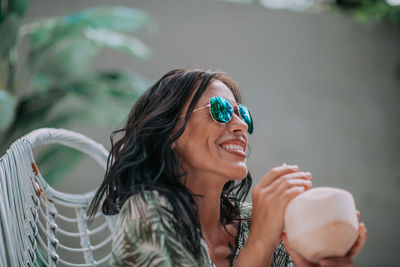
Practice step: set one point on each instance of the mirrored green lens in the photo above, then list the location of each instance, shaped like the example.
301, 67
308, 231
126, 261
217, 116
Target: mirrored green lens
221, 109
246, 117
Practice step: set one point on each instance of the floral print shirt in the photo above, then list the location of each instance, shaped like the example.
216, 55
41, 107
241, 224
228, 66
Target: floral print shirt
145, 235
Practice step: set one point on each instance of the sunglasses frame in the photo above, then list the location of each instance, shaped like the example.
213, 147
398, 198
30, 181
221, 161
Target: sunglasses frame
249, 127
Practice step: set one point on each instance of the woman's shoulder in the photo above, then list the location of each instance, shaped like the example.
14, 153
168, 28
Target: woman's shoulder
140, 215
145, 198
148, 234
144, 204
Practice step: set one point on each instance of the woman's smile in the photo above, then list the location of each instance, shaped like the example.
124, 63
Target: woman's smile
235, 146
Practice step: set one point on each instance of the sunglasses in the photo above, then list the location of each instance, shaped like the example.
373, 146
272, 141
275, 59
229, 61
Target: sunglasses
221, 110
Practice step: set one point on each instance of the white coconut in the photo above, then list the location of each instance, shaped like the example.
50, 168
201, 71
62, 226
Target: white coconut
321, 222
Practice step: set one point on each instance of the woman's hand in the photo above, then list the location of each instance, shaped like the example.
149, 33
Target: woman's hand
346, 261
270, 198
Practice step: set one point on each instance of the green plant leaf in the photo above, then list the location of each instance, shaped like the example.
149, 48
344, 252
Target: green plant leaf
115, 18
62, 61
75, 40
1, 11
118, 41
124, 84
61, 120
116, 90
121, 85
8, 33
32, 111
7, 109
40, 111
18, 6
4, 70
64, 88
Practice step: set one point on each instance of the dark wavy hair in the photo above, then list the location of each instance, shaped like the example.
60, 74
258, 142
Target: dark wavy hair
142, 158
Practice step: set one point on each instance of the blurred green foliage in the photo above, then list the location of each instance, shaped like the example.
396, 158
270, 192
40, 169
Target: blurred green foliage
46, 78
365, 11
371, 10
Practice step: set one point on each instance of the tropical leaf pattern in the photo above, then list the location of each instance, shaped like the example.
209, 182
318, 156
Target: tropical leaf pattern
148, 234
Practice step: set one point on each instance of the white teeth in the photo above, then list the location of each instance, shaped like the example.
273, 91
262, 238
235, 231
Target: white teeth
233, 147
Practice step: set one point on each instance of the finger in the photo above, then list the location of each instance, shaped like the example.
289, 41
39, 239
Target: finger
276, 172
280, 190
342, 262
296, 175
289, 194
286, 179
297, 179
358, 215
360, 242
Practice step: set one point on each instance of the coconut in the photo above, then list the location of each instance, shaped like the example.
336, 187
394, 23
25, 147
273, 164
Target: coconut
321, 223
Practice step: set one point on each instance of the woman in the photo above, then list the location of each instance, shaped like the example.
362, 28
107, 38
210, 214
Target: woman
178, 178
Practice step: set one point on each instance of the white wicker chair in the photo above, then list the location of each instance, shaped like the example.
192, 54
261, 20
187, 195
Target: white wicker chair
35, 219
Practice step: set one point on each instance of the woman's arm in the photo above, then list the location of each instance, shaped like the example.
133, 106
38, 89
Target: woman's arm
255, 253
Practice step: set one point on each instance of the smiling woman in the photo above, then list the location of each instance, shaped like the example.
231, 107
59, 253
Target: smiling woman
177, 178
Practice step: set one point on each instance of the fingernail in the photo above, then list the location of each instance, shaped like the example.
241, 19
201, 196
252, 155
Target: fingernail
296, 167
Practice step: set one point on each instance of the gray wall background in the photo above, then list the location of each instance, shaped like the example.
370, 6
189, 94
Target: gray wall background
324, 92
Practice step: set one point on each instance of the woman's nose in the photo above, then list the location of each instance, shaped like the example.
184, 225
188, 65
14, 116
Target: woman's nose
237, 125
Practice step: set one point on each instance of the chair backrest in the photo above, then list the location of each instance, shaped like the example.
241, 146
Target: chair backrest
39, 224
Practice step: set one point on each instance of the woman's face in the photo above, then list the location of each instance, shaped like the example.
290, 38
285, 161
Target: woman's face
209, 146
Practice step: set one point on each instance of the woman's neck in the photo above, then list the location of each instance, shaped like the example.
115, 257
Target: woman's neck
209, 187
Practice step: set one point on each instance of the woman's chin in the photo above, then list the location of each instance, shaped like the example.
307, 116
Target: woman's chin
238, 172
